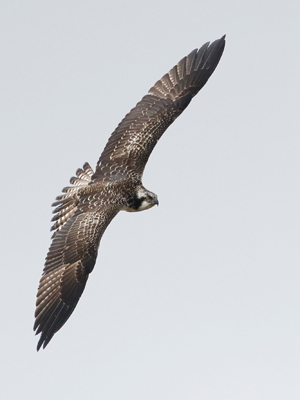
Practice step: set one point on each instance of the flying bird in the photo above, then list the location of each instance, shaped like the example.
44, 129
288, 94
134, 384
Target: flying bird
85, 209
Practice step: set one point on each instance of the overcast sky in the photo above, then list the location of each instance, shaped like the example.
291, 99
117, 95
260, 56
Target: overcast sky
197, 298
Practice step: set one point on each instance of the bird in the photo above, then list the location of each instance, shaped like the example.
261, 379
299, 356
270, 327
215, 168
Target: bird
85, 209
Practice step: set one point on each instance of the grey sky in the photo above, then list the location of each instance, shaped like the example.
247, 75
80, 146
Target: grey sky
195, 299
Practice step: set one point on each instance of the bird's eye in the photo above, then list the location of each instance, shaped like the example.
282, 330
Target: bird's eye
148, 198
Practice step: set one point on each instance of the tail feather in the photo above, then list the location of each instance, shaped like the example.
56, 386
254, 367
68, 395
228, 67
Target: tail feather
66, 204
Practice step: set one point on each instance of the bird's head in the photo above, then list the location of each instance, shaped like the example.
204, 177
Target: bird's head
142, 200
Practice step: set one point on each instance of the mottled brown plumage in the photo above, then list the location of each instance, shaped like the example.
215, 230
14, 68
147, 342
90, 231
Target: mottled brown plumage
85, 209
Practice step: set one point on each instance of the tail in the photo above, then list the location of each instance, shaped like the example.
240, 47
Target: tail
66, 204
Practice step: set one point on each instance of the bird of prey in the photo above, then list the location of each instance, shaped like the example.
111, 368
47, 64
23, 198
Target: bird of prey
85, 209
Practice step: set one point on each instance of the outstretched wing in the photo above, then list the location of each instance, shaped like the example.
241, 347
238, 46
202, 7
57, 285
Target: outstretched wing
131, 144
70, 260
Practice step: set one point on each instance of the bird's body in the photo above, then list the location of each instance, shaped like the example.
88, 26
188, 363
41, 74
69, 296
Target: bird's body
85, 209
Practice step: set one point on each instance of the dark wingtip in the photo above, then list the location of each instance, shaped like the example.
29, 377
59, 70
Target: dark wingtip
223, 40
39, 345
43, 341
220, 41
40, 342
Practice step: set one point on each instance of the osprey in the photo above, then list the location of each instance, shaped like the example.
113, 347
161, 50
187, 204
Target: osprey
85, 209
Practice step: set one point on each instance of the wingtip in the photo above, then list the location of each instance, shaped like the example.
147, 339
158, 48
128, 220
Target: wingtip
222, 40
40, 342
43, 341
218, 45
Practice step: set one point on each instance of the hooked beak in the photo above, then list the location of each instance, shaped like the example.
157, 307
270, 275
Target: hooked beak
155, 201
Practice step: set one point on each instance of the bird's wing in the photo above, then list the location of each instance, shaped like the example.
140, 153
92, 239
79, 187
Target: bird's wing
131, 144
70, 260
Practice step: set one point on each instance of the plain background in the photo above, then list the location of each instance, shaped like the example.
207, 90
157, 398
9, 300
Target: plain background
195, 299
